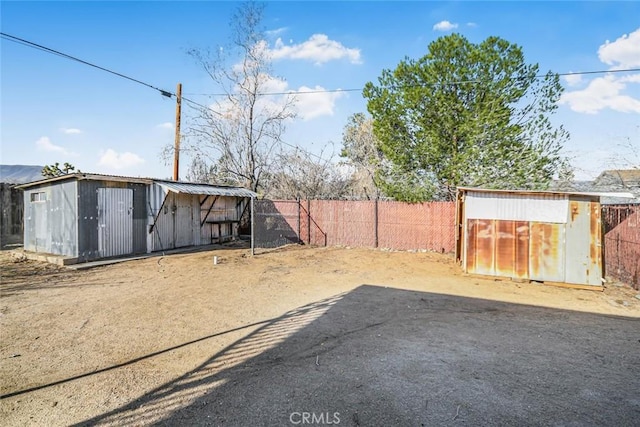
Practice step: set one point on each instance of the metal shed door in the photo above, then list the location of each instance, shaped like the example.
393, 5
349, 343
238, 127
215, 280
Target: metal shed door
115, 221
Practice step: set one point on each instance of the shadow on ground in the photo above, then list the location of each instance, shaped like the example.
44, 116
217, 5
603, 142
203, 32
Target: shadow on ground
379, 356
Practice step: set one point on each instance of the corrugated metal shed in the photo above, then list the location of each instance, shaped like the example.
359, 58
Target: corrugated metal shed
92, 216
543, 236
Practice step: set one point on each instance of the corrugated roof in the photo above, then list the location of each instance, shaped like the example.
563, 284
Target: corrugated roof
205, 189
88, 176
624, 195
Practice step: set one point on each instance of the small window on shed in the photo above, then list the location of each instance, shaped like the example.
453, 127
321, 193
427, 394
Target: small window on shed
38, 197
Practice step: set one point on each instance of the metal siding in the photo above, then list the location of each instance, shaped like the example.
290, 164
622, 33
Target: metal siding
63, 219
485, 247
42, 236
595, 245
88, 220
521, 268
163, 230
546, 260
505, 250
115, 221
514, 207
139, 217
29, 222
155, 197
471, 247
583, 244
203, 189
184, 220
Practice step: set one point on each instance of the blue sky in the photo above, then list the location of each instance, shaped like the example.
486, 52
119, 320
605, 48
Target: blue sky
53, 109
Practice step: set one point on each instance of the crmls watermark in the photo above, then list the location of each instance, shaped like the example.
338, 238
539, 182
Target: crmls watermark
308, 418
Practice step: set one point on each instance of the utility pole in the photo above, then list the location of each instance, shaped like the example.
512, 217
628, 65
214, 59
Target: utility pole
176, 153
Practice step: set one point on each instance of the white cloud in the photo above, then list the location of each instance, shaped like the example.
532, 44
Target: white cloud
111, 159
610, 91
319, 49
45, 144
71, 131
444, 26
472, 24
622, 53
276, 32
166, 125
603, 92
573, 79
306, 105
312, 105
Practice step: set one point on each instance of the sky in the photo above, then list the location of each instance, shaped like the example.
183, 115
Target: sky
56, 110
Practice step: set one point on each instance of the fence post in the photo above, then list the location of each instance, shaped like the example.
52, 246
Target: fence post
309, 221
375, 220
299, 235
253, 234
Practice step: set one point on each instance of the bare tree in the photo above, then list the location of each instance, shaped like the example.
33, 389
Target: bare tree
628, 152
240, 132
303, 175
360, 148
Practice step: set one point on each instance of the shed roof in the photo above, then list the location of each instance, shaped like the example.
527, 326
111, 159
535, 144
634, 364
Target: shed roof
174, 186
205, 189
624, 195
87, 176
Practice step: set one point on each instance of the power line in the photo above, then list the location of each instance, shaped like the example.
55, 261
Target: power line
539, 76
170, 94
73, 58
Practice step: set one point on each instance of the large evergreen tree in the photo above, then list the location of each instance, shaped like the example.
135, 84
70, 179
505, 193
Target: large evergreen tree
466, 114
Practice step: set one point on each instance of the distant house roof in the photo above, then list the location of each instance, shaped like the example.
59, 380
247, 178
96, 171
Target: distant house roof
174, 186
625, 178
607, 183
19, 174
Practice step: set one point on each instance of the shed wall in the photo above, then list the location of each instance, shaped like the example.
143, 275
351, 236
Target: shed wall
551, 238
50, 220
89, 242
174, 220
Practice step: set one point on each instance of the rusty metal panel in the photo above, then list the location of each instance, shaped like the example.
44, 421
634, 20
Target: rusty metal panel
484, 247
521, 258
505, 252
115, 221
471, 246
595, 244
583, 244
546, 252
550, 208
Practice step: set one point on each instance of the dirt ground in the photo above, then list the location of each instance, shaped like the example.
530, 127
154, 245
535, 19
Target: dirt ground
310, 336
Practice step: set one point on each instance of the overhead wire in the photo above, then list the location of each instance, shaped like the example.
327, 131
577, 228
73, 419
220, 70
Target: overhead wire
170, 94
73, 58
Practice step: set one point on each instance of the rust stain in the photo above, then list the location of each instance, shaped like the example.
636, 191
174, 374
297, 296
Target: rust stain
521, 259
595, 248
505, 248
485, 247
574, 206
472, 240
545, 252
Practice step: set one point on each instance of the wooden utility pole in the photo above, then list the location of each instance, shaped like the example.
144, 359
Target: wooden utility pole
176, 153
